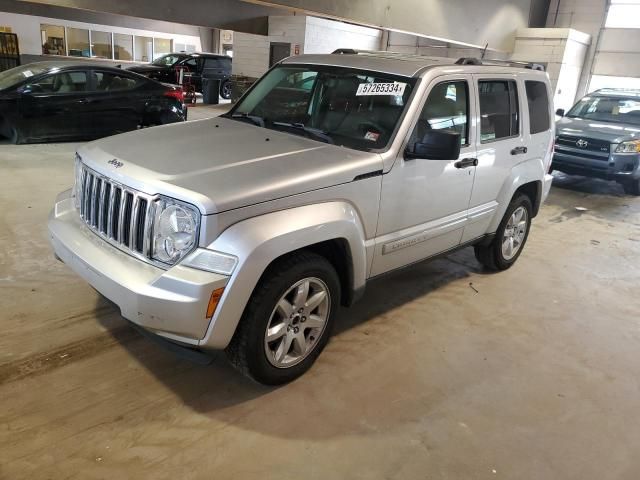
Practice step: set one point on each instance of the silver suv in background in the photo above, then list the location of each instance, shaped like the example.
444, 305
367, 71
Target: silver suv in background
600, 137
247, 232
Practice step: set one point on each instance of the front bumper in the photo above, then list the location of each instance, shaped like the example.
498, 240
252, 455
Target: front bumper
171, 303
618, 167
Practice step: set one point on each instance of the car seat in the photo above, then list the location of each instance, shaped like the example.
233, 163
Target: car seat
63, 83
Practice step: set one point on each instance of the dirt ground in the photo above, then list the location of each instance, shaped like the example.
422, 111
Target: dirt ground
442, 371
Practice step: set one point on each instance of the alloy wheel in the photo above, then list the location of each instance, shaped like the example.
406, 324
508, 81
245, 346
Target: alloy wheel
514, 233
297, 322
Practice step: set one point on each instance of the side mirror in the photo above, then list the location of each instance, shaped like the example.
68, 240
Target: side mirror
436, 145
560, 112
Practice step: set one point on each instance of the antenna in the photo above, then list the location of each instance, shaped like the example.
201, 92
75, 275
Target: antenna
484, 51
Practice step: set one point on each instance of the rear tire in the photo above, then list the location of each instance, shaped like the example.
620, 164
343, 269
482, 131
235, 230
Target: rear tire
510, 238
632, 187
282, 330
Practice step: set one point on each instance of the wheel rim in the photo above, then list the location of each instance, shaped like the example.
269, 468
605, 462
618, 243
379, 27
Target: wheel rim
226, 90
297, 322
514, 233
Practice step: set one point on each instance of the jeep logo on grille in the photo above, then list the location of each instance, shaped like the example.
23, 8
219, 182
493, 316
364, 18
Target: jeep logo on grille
582, 143
115, 163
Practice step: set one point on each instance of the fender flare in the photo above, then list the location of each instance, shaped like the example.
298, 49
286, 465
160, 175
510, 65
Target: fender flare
258, 241
529, 171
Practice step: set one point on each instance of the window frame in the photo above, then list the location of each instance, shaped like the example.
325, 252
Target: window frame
514, 81
467, 82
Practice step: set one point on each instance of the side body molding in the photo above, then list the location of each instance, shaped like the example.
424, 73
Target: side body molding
260, 240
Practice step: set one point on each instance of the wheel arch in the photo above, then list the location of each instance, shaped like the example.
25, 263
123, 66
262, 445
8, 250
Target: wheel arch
525, 178
333, 230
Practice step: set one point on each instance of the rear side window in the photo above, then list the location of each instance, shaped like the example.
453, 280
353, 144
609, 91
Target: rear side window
109, 82
499, 111
538, 101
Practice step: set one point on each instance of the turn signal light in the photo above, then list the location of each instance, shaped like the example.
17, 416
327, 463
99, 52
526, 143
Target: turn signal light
213, 301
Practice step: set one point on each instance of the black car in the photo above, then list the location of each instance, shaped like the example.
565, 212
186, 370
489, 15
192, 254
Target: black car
67, 101
197, 65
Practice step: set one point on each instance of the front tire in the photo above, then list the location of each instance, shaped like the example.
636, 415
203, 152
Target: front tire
288, 320
510, 238
632, 187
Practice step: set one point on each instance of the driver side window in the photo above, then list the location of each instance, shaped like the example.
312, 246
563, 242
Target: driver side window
63, 82
446, 108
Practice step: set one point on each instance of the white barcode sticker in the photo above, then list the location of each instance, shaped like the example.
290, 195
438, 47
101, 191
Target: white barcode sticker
28, 73
395, 88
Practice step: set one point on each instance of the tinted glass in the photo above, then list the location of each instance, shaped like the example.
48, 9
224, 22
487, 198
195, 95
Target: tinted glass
499, 113
446, 108
64, 82
211, 63
168, 60
343, 106
608, 109
538, 101
109, 82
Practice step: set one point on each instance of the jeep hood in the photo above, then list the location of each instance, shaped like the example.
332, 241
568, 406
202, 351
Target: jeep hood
588, 128
220, 164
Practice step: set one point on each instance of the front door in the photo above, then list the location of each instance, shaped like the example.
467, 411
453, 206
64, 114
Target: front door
424, 202
54, 105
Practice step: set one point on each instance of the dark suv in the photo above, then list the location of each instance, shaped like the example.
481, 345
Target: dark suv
198, 65
600, 137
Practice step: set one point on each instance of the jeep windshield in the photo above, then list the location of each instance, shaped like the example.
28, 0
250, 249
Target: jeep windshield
342, 106
608, 109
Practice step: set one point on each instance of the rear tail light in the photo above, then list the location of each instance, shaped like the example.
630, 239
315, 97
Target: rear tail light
176, 94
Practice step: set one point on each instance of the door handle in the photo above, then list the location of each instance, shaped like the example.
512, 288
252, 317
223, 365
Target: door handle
466, 163
519, 150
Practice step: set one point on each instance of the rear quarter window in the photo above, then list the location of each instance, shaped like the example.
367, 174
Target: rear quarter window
538, 101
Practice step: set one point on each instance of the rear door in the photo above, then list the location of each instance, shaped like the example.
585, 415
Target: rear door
116, 102
500, 146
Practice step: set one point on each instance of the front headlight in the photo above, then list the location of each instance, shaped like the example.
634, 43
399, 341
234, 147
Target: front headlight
175, 230
629, 147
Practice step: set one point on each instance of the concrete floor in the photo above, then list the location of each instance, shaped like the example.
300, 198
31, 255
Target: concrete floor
441, 372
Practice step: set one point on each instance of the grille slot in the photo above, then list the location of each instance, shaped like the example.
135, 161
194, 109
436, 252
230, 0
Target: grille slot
116, 213
593, 145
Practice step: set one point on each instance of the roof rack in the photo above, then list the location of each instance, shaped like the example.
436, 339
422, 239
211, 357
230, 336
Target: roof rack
509, 63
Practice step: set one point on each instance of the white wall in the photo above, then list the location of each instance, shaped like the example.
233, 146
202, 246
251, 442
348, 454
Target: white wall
325, 36
563, 50
312, 35
585, 16
414, 45
28, 29
250, 54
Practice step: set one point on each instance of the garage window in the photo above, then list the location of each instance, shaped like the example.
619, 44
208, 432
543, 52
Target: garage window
78, 42
499, 113
52, 40
101, 44
122, 46
538, 102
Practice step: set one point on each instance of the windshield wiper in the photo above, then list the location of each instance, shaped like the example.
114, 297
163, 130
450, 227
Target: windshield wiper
308, 131
255, 119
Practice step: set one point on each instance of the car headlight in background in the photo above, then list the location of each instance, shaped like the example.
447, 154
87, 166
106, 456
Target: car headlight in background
175, 230
629, 147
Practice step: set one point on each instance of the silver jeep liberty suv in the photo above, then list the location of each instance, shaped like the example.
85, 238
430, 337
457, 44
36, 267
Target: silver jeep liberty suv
248, 231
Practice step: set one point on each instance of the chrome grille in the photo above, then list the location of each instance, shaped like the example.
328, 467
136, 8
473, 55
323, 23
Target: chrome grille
119, 214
